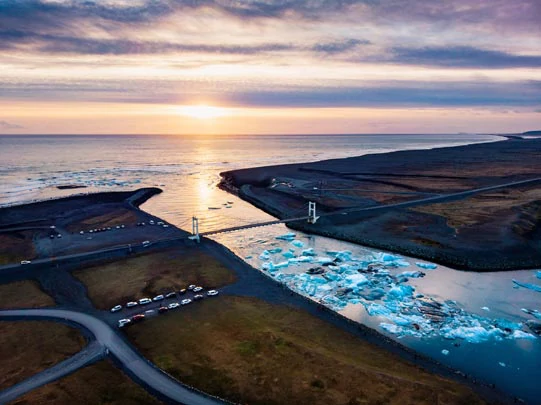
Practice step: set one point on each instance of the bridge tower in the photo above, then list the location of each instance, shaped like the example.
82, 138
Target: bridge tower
312, 218
195, 230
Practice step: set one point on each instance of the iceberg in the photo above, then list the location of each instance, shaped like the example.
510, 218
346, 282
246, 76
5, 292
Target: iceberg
426, 266
529, 286
538, 274
308, 252
288, 237
518, 334
472, 334
501, 363
288, 255
412, 274
485, 308
297, 243
264, 255
400, 292
275, 250
356, 280
445, 352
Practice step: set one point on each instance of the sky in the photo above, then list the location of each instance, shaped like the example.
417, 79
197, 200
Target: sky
269, 66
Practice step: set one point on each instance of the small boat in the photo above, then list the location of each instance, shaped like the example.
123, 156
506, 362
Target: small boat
214, 208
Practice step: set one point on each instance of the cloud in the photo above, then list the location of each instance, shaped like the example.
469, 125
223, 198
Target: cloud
341, 46
9, 39
377, 94
463, 57
9, 125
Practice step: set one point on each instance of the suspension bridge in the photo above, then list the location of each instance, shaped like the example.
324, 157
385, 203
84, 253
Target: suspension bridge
312, 217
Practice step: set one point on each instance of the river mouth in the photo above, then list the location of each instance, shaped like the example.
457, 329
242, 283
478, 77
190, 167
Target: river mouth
188, 172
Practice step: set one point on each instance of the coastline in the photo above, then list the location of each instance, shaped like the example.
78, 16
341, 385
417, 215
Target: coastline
252, 282
425, 235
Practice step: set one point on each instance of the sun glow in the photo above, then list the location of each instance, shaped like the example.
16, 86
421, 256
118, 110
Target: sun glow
203, 112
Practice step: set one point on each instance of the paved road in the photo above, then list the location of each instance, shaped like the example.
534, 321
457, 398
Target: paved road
94, 351
125, 354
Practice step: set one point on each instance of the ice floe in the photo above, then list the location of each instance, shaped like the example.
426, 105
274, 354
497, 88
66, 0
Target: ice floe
297, 243
337, 279
427, 266
529, 286
445, 352
538, 274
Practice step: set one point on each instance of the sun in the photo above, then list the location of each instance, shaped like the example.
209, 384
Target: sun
203, 112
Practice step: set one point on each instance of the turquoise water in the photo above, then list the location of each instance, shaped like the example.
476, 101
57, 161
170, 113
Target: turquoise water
187, 169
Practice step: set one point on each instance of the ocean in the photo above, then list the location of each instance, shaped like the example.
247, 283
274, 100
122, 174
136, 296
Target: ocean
187, 169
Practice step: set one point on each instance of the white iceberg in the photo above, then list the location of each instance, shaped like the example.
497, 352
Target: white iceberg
529, 286
288, 237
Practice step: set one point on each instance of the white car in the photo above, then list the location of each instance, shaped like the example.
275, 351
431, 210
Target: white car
166, 226
131, 304
151, 222
59, 235
146, 243
185, 301
116, 308
211, 293
81, 232
191, 286
145, 301
123, 322
198, 289
173, 305
150, 312
25, 262
159, 223
158, 298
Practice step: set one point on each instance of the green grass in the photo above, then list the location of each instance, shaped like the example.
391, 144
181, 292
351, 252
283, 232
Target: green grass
248, 351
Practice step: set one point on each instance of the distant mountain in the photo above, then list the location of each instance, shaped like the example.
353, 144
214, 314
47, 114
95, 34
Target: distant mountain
538, 132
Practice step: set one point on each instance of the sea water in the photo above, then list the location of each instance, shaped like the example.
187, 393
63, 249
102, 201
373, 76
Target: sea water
483, 311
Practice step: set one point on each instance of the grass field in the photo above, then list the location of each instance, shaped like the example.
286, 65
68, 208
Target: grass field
27, 348
100, 383
152, 274
23, 294
254, 353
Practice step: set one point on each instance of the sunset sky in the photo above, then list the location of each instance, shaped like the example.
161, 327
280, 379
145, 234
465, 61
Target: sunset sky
269, 66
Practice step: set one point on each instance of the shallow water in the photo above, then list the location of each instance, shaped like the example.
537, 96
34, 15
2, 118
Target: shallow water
187, 169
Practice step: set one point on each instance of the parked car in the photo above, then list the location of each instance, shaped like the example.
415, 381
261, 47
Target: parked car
161, 310
137, 318
146, 243
25, 262
131, 304
183, 291
123, 322
171, 295
185, 301
173, 305
165, 226
211, 293
116, 308
198, 289
81, 232
198, 297
150, 312
191, 286
158, 298
51, 236
59, 235
145, 301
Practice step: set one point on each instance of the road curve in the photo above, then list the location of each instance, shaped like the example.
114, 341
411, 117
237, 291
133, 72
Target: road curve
126, 355
94, 351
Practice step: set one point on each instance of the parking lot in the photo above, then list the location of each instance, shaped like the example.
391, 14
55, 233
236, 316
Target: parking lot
132, 312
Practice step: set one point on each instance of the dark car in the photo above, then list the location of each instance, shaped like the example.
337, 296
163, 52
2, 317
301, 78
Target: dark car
198, 297
137, 318
161, 310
